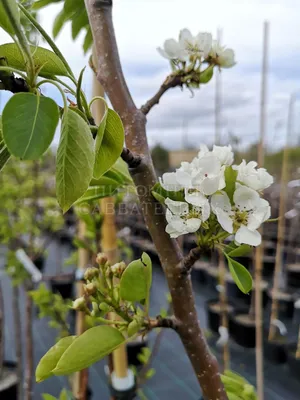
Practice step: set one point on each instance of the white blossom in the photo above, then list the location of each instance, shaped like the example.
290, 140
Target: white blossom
222, 56
199, 45
183, 219
173, 50
257, 179
244, 217
204, 174
169, 182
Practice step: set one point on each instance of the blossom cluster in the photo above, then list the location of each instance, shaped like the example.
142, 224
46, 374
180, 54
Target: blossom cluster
217, 197
201, 47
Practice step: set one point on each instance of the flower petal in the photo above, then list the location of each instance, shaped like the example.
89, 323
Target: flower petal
220, 200
245, 198
179, 208
169, 182
193, 224
246, 236
195, 198
210, 186
224, 220
184, 178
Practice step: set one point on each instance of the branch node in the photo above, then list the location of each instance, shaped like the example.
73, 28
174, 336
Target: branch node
188, 261
133, 160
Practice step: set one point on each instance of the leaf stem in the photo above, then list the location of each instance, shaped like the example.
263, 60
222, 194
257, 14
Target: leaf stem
16, 71
48, 39
58, 87
22, 39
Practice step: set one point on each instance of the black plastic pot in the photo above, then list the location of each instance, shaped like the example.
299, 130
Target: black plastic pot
129, 394
39, 262
293, 362
212, 277
63, 287
9, 382
276, 351
242, 333
199, 272
293, 276
214, 317
285, 306
134, 348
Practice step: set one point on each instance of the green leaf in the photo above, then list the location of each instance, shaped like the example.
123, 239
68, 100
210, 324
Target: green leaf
4, 20
240, 251
109, 144
133, 328
78, 89
95, 192
51, 63
75, 160
4, 157
88, 40
121, 168
136, 280
51, 358
59, 21
88, 348
146, 260
159, 193
207, 74
230, 180
79, 22
48, 397
29, 123
43, 3
240, 274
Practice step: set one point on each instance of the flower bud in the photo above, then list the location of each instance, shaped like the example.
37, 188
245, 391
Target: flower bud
90, 288
79, 304
104, 307
118, 269
91, 273
101, 259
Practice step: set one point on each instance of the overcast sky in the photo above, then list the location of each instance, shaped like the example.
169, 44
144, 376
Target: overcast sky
143, 25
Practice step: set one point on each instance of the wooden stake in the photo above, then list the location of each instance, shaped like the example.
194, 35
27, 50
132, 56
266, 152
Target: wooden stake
224, 308
298, 346
81, 378
18, 339
218, 99
109, 234
259, 250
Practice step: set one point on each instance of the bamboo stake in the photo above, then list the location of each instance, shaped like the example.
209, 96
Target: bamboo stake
280, 233
109, 234
224, 308
259, 250
218, 99
298, 346
81, 377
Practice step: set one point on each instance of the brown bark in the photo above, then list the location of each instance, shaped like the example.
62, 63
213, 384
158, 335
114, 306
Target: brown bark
111, 77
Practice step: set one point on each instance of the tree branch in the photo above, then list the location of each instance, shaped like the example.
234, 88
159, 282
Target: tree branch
164, 322
110, 75
131, 159
171, 82
188, 261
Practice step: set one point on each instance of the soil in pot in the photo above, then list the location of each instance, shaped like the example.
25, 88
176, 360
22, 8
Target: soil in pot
293, 362
214, 311
276, 350
63, 287
134, 348
293, 275
285, 303
199, 271
9, 382
242, 329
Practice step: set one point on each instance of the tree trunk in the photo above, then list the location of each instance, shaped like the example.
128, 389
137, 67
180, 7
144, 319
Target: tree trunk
111, 77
